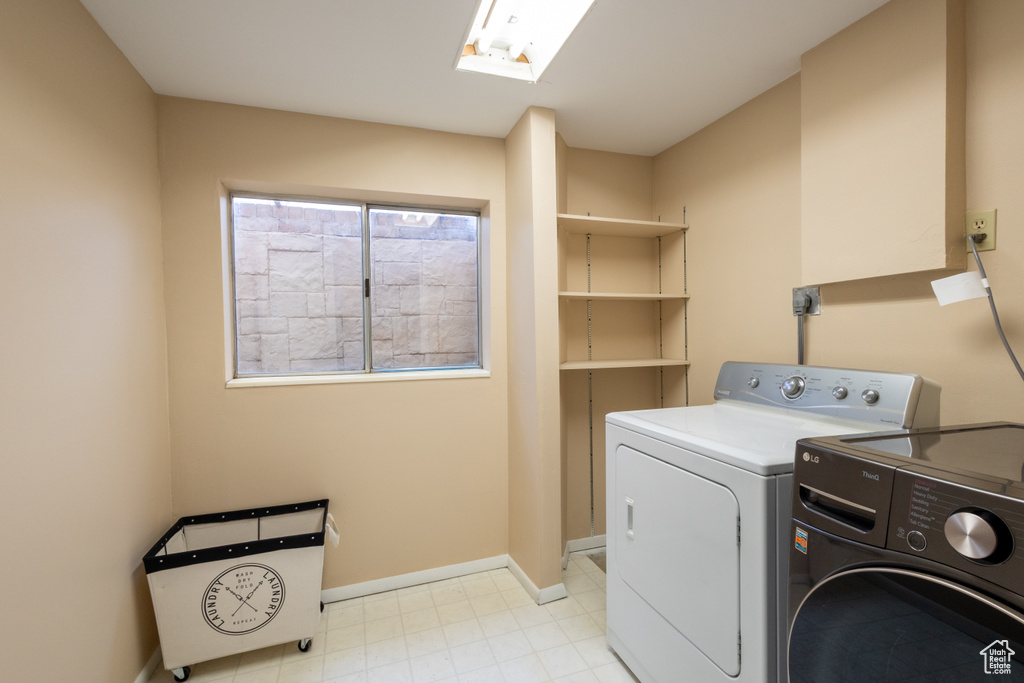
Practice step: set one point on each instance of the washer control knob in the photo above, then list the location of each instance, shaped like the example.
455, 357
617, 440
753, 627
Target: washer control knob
753, 382
917, 541
870, 396
840, 393
974, 533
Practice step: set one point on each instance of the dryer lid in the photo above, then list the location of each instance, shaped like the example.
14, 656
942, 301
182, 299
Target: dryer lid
761, 440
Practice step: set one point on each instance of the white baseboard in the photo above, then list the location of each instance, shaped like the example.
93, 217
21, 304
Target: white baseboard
578, 544
151, 665
358, 590
539, 595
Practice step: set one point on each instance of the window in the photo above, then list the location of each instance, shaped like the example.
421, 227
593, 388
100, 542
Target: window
331, 287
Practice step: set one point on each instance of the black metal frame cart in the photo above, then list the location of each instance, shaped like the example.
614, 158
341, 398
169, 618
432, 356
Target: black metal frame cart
237, 581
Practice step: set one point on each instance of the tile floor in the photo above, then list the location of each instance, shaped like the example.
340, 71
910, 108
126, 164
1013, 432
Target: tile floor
479, 628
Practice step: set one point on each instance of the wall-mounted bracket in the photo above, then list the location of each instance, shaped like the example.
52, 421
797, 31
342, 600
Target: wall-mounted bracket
806, 301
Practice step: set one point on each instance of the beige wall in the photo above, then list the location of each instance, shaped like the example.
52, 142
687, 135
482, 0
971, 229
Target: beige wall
609, 185
417, 471
84, 464
533, 421
740, 179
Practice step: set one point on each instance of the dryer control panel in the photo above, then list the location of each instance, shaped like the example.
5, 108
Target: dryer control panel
886, 400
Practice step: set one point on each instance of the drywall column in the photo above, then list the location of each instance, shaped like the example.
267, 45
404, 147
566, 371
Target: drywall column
534, 438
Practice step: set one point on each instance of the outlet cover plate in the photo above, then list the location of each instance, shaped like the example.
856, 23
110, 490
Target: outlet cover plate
981, 222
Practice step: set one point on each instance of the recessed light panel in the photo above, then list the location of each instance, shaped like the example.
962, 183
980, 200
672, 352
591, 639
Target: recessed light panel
519, 38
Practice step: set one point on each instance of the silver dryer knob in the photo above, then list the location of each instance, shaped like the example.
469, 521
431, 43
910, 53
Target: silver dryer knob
839, 393
870, 396
971, 535
753, 382
793, 387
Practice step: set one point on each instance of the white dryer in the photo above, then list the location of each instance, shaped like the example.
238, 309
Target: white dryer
699, 509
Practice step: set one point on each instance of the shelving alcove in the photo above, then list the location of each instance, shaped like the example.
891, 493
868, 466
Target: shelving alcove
622, 335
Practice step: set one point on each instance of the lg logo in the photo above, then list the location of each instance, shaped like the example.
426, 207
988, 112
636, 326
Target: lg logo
810, 458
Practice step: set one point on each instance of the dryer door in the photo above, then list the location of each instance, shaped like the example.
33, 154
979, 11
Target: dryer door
887, 624
676, 547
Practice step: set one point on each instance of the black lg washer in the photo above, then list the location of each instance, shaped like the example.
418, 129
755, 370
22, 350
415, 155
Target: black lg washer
907, 562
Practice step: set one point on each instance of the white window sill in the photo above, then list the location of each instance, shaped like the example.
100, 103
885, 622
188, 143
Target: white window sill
355, 378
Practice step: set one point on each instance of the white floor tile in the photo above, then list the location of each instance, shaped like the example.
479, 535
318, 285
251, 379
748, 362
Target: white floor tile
475, 587
399, 672
345, 638
580, 627
420, 620
452, 612
472, 656
386, 652
510, 646
269, 675
546, 636
566, 607
426, 642
488, 604
531, 615
490, 674
344, 662
463, 632
498, 623
414, 602
433, 667
528, 669
383, 629
562, 661
381, 609
480, 628
305, 671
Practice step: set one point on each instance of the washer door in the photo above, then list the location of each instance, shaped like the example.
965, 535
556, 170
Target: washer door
881, 624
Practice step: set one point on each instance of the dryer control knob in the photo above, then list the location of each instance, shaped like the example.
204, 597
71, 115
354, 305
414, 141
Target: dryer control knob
870, 396
793, 387
753, 382
974, 534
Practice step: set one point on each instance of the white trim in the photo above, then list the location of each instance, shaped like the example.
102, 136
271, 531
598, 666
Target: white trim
391, 583
150, 667
398, 376
539, 595
578, 544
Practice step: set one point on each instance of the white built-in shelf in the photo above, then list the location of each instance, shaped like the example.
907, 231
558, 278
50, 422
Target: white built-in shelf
621, 296
632, 363
593, 225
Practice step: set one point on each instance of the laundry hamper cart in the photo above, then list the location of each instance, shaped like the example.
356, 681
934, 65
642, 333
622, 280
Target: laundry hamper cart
232, 582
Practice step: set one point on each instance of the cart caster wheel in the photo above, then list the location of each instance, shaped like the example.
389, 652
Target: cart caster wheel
321, 605
305, 644
182, 674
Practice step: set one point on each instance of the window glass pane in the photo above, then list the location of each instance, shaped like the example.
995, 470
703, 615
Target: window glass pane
298, 279
424, 307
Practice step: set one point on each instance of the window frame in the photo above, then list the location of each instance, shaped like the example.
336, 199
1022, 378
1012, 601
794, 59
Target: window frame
367, 373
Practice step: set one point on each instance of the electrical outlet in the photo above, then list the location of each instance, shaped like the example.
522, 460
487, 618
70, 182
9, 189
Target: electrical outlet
982, 222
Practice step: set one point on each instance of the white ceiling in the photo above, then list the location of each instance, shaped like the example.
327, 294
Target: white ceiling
636, 76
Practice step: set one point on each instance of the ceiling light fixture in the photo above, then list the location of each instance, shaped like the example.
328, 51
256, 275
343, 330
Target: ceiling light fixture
519, 38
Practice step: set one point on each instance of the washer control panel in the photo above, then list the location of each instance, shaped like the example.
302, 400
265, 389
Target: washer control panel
961, 526
888, 400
